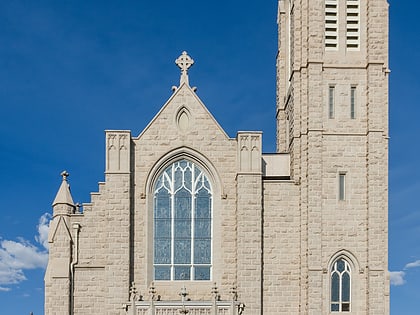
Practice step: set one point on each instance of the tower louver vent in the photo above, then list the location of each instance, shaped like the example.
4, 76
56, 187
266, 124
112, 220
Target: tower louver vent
353, 25
331, 24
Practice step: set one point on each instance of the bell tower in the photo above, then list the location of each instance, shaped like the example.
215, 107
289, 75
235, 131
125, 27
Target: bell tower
332, 117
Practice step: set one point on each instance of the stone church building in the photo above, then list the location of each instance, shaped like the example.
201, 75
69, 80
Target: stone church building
191, 221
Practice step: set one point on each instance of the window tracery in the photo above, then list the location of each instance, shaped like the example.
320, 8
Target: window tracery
182, 223
340, 286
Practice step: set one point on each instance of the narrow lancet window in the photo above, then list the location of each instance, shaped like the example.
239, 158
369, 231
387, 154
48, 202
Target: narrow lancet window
341, 186
352, 102
182, 223
331, 97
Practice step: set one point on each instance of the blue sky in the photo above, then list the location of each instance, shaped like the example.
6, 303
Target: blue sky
71, 69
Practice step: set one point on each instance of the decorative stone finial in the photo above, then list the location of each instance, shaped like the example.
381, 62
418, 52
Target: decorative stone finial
63, 195
184, 62
215, 292
65, 174
234, 293
183, 295
152, 292
134, 297
216, 297
133, 292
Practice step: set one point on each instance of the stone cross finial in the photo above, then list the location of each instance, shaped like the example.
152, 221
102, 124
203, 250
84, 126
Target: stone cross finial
65, 174
184, 62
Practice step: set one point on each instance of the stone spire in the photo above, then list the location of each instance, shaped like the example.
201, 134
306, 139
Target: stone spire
184, 62
63, 196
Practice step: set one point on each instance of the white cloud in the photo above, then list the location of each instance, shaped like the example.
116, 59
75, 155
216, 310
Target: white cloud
413, 264
4, 289
20, 255
397, 277
42, 236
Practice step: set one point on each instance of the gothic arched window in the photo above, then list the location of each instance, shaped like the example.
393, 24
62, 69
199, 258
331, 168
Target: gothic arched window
182, 223
340, 286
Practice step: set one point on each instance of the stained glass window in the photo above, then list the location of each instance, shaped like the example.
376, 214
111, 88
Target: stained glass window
340, 286
182, 223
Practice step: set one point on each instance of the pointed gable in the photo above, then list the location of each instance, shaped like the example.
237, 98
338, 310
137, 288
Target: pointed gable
184, 114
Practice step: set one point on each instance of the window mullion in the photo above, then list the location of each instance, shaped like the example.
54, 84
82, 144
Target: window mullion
172, 223
193, 191
349, 301
341, 289
192, 235
211, 234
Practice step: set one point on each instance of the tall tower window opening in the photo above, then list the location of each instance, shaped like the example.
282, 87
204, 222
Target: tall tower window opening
341, 186
340, 286
340, 20
182, 223
352, 102
353, 24
331, 99
331, 24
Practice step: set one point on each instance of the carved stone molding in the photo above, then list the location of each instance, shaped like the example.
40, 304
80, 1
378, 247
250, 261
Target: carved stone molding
249, 152
118, 151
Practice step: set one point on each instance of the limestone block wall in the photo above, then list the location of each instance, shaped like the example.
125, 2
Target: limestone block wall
281, 75
249, 205
378, 223
89, 291
101, 272
57, 295
117, 236
344, 222
377, 99
281, 248
93, 222
57, 276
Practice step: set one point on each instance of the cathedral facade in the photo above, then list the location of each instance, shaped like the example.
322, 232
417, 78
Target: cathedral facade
191, 221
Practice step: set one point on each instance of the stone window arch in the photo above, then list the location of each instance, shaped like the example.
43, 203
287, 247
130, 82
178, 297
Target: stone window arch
182, 223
